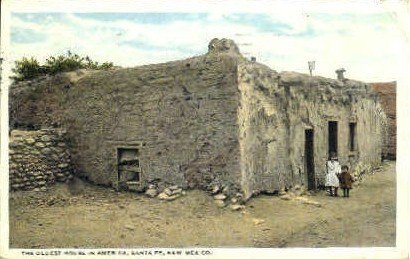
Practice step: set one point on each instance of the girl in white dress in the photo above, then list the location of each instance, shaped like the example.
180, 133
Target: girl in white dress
333, 169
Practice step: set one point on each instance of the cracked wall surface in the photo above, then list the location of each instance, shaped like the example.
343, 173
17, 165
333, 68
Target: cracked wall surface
277, 108
183, 112
210, 119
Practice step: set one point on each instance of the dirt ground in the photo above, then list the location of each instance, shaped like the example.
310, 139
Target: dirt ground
97, 217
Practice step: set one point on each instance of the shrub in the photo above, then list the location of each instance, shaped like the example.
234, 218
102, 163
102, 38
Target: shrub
26, 69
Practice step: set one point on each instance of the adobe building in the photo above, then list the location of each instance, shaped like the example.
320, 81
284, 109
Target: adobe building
210, 119
387, 94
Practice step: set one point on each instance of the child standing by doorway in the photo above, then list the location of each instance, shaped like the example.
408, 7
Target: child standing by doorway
346, 181
332, 172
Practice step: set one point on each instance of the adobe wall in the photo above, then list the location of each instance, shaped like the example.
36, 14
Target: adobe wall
181, 115
275, 111
38, 159
387, 94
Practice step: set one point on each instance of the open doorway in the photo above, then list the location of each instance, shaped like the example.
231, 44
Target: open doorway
332, 137
309, 159
352, 136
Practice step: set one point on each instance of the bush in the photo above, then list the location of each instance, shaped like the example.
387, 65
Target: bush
26, 69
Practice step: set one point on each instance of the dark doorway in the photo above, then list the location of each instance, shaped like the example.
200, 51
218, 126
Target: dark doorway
352, 136
309, 159
332, 137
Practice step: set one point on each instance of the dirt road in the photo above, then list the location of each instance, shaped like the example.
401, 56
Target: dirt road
99, 217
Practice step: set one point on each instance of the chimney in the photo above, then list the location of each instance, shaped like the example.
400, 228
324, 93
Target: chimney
340, 75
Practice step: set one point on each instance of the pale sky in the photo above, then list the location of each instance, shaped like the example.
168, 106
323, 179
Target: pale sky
368, 45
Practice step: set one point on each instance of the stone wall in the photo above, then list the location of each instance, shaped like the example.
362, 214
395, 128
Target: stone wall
387, 93
38, 159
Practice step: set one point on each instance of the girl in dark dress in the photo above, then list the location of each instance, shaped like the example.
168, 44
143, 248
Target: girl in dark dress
346, 181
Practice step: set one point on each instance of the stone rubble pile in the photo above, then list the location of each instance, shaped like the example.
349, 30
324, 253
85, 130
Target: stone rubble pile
38, 159
169, 193
225, 195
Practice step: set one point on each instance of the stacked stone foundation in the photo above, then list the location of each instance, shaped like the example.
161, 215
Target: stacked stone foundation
38, 159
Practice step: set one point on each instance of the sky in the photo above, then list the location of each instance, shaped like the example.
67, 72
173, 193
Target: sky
368, 45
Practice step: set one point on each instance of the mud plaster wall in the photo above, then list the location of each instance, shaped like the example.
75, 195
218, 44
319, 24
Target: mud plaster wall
38, 159
387, 94
183, 114
276, 109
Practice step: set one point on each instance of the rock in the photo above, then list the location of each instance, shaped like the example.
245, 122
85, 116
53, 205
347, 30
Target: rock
36, 189
236, 207
43, 189
226, 190
45, 138
286, 197
220, 203
296, 187
30, 141
46, 150
234, 200
307, 201
167, 191
257, 222
63, 165
151, 193
220, 196
215, 189
173, 187
164, 196
60, 174
39, 144
177, 191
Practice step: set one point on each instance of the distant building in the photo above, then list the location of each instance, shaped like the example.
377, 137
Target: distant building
387, 93
212, 119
